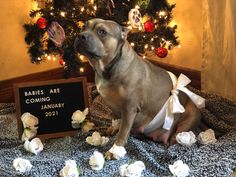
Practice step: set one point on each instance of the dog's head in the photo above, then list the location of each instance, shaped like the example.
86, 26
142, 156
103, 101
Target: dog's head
101, 40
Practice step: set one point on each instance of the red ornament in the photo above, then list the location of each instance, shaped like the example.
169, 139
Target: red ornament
41, 23
62, 62
161, 52
149, 26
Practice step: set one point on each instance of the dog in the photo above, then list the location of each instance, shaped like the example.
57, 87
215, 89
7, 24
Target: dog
134, 88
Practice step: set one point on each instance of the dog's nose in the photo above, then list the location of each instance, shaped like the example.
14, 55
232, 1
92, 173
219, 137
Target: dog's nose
83, 36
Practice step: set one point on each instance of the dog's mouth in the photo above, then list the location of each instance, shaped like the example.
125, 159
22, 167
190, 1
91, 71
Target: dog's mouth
93, 55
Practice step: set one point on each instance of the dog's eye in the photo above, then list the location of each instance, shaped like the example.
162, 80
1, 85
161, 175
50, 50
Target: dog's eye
102, 32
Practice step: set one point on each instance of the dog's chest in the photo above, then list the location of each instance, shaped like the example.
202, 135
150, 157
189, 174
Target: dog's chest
110, 92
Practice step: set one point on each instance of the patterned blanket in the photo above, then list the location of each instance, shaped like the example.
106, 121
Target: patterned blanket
216, 160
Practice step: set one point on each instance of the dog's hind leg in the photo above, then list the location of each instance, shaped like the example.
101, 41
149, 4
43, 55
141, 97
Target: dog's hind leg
188, 121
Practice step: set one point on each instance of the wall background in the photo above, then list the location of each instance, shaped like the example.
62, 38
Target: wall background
14, 60
188, 16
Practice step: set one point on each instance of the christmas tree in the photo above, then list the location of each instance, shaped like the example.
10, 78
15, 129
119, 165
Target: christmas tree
56, 24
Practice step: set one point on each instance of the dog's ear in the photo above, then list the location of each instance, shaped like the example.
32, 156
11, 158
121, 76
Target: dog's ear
124, 32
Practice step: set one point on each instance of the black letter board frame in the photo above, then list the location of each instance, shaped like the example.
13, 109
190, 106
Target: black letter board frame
73, 93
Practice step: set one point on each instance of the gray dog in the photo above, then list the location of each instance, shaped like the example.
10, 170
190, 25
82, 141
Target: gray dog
135, 89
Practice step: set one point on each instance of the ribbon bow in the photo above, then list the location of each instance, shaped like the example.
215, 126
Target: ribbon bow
173, 104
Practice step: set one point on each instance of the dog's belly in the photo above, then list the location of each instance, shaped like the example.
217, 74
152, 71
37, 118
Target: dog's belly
159, 134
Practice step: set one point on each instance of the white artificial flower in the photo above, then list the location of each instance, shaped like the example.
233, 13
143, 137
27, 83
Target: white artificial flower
35, 146
96, 139
22, 165
207, 137
133, 170
96, 161
29, 120
118, 151
186, 138
78, 117
179, 169
70, 169
29, 133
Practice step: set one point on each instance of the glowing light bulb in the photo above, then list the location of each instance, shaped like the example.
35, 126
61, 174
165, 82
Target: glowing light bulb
146, 46
162, 13
132, 44
95, 8
168, 43
144, 56
82, 9
49, 57
152, 39
81, 70
153, 48
179, 46
63, 14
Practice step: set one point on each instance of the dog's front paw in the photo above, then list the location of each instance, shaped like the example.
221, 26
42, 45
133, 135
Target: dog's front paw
116, 152
109, 156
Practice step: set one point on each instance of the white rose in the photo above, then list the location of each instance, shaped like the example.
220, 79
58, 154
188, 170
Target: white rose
70, 169
29, 120
78, 117
35, 146
118, 151
207, 137
22, 165
133, 170
179, 169
96, 139
29, 133
96, 161
186, 138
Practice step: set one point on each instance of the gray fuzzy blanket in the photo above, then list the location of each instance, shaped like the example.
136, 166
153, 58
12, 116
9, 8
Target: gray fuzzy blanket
216, 160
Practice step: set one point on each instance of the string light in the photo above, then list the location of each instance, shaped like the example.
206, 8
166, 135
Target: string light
81, 70
153, 48
63, 14
82, 58
146, 46
82, 9
168, 43
132, 44
95, 7
144, 56
162, 14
